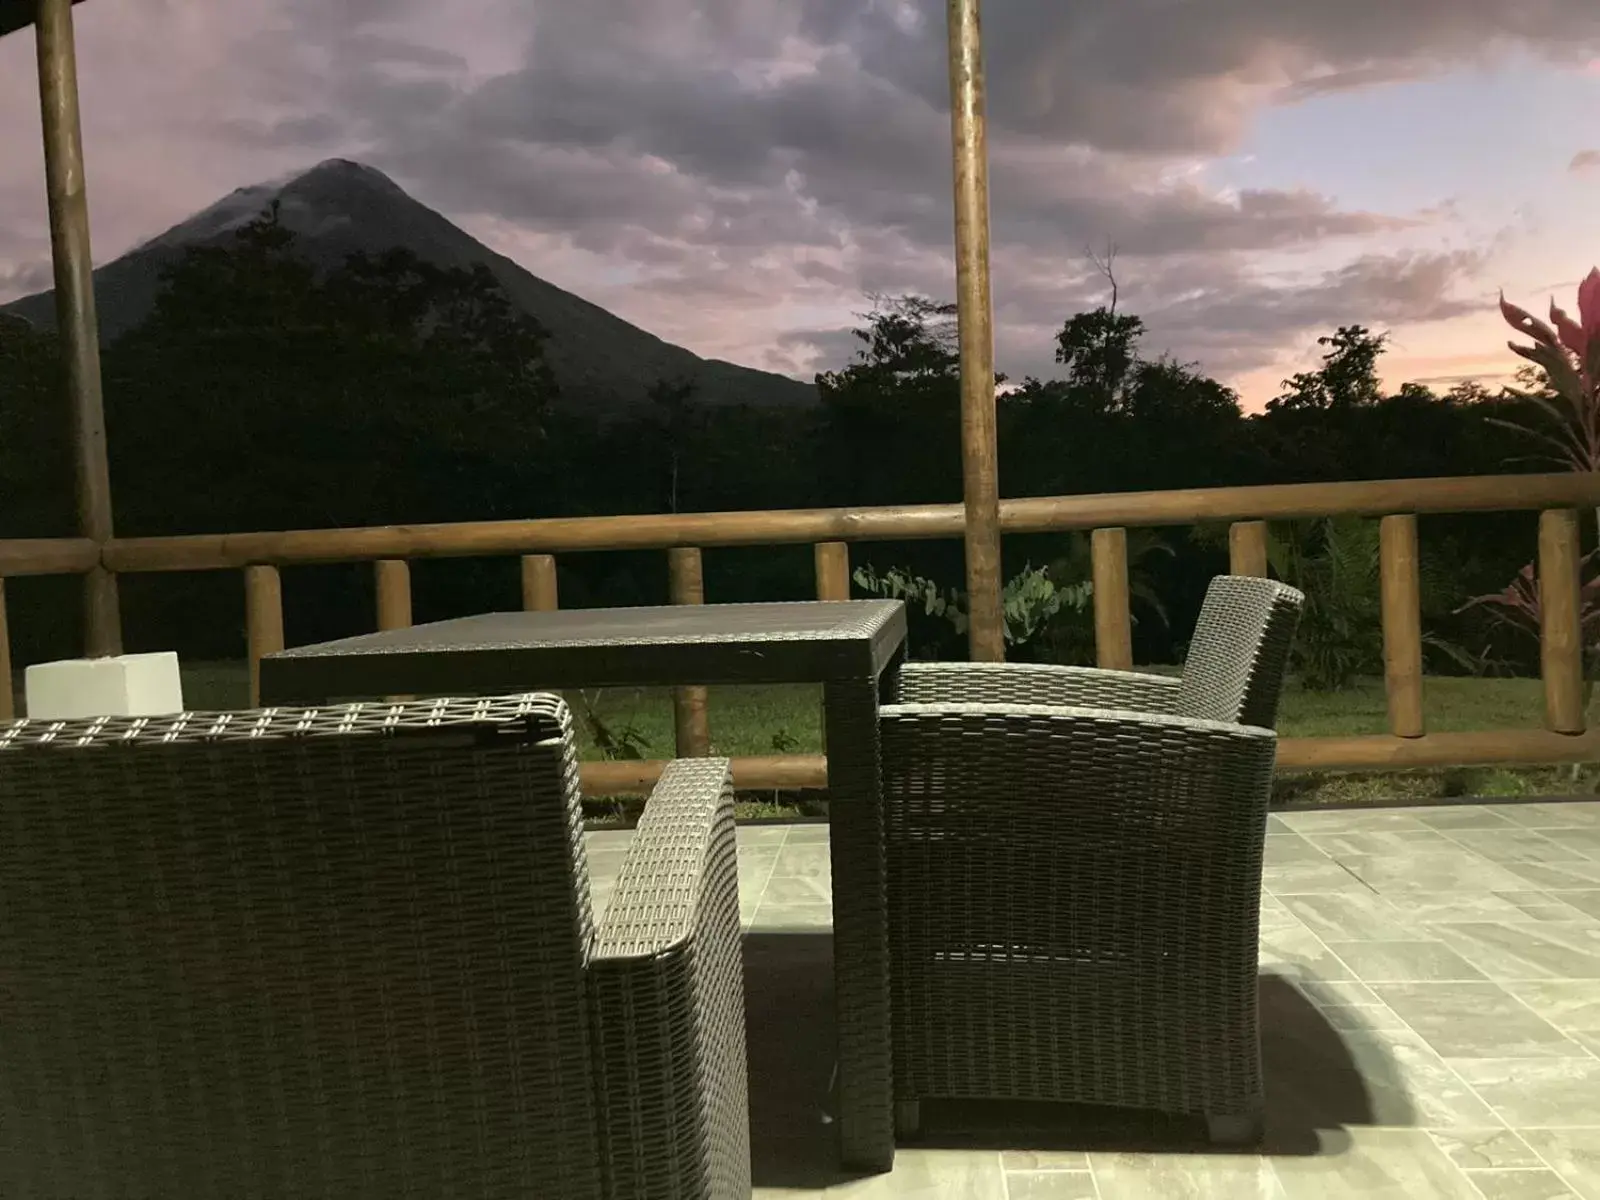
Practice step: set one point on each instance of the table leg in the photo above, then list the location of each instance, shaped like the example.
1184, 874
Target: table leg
860, 926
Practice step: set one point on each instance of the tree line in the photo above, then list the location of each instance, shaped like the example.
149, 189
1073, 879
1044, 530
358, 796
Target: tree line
262, 394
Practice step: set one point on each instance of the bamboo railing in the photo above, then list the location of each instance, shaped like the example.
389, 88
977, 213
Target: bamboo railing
1397, 503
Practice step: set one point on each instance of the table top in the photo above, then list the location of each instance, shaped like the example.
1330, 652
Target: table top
791, 642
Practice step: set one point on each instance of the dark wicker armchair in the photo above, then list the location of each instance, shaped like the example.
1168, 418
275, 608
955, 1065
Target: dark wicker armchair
1074, 873
350, 952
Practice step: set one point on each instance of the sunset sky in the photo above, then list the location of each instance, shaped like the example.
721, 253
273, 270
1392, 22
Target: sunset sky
737, 175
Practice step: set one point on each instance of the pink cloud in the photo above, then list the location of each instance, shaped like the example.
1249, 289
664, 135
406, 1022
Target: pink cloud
1585, 160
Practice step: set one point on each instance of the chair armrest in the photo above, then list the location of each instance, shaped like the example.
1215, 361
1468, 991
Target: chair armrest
1035, 683
1011, 771
666, 986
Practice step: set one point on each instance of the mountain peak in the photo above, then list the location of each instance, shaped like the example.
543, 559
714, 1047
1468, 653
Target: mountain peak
340, 207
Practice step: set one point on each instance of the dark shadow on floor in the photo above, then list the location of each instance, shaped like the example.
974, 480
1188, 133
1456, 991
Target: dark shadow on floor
1313, 1083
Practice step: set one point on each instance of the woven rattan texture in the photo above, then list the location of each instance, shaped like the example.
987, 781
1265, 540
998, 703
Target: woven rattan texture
1073, 905
1034, 683
1074, 892
336, 952
1240, 651
667, 985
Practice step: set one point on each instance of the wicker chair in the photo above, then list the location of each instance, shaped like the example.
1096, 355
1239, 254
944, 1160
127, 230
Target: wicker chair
1074, 873
350, 952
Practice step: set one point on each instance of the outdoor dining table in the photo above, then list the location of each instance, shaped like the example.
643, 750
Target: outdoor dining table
851, 647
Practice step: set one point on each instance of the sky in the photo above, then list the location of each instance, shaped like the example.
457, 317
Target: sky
742, 176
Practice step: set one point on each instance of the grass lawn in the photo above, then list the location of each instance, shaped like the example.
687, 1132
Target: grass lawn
787, 720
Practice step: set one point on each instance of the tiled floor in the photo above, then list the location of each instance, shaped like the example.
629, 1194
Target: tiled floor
1431, 1019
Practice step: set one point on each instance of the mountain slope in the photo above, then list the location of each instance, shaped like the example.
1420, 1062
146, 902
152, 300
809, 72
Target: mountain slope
603, 364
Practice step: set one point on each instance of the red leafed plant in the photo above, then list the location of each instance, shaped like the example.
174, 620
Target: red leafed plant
1517, 606
1569, 357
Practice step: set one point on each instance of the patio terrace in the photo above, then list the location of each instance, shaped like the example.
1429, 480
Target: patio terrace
1430, 990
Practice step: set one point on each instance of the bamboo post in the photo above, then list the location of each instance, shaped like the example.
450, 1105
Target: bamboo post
1400, 583
393, 577
1247, 549
263, 616
986, 632
75, 310
1113, 629
833, 570
1560, 628
539, 583
689, 715
8, 696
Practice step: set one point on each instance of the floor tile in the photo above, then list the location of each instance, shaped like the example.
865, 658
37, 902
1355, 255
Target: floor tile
809, 859
1274, 915
1391, 841
773, 916
1456, 908
1536, 1092
1373, 1078
1051, 1185
1586, 902
1461, 816
1352, 916
1331, 993
1399, 876
1493, 1148
1361, 1018
799, 889
1573, 1153
1565, 1003
1377, 1164
1518, 845
1284, 849
801, 834
1044, 1160
1571, 876
1185, 1177
1389, 962
1309, 879
762, 835
931, 1175
1544, 950
1351, 820
1301, 950
1476, 1020
1521, 1185
1548, 815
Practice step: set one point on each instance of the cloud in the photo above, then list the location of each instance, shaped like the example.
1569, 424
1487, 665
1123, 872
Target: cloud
729, 172
1584, 160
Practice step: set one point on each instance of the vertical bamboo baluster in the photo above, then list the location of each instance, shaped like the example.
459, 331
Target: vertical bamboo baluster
8, 696
1560, 627
833, 583
393, 579
1401, 585
263, 608
539, 583
690, 718
1113, 631
1247, 549
833, 570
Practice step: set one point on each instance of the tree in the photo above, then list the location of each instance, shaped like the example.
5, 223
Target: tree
1099, 349
262, 393
676, 418
1348, 377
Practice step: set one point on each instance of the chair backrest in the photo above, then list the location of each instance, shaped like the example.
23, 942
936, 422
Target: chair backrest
1240, 651
296, 952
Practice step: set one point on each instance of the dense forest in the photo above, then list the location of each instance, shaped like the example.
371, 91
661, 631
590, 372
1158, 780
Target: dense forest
262, 394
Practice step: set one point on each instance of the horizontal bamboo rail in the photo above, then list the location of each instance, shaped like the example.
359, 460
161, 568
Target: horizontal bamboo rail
557, 535
1246, 510
1532, 747
47, 556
